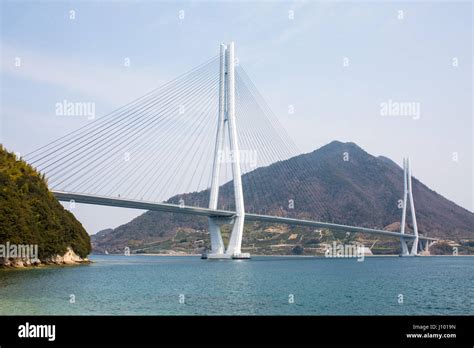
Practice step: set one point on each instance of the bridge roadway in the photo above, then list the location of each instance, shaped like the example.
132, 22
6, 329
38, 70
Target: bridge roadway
175, 208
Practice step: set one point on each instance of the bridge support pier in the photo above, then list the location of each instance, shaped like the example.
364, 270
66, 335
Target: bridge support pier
408, 195
227, 117
404, 247
424, 245
217, 244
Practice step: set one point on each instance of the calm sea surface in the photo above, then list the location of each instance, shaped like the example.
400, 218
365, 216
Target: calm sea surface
154, 285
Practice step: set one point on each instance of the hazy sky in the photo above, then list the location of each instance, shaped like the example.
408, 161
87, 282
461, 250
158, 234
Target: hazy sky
334, 64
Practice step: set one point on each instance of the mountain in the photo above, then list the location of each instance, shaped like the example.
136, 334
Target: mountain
30, 214
339, 183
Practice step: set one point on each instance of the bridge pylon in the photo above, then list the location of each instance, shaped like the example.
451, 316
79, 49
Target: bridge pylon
408, 195
226, 121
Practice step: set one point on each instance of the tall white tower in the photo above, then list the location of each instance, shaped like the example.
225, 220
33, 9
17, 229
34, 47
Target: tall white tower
408, 194
217, 244
226, 121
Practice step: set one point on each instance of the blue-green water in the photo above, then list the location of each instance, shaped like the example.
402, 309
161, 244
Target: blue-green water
152, 285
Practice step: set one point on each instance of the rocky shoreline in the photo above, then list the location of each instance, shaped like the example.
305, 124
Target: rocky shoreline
69, 258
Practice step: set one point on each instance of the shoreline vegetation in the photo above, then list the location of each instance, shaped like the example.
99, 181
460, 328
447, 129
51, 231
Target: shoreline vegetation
35, 228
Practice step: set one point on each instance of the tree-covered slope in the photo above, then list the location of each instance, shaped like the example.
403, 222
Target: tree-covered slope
30, 214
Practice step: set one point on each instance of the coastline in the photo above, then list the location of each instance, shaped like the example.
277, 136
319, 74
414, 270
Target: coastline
70, 258
265, 255
44, 266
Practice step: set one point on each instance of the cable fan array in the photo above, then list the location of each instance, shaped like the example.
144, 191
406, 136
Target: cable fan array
161, 146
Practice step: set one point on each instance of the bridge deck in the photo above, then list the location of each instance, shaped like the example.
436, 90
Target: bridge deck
175, 208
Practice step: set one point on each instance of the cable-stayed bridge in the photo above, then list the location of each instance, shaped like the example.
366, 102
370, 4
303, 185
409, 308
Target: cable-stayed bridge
197, 145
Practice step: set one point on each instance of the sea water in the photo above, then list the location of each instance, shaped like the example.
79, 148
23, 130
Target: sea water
187, 285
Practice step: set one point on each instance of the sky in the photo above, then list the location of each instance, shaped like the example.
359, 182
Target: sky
327, 70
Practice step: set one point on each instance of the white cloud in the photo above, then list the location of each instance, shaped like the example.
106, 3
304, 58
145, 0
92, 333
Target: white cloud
110, 83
